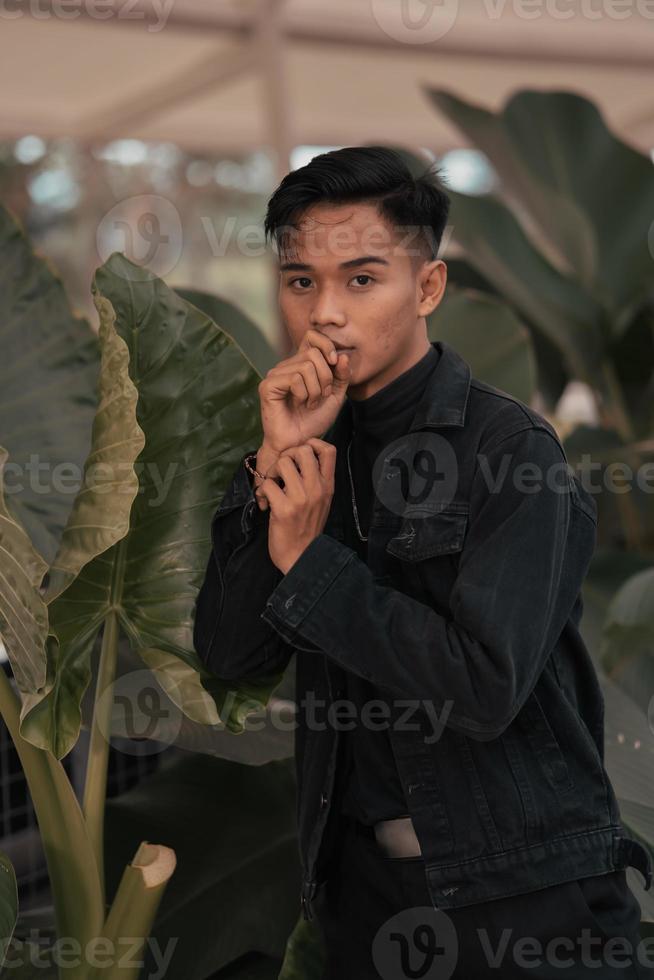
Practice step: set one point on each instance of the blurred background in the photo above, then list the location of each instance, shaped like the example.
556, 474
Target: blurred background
201, 106
159, 129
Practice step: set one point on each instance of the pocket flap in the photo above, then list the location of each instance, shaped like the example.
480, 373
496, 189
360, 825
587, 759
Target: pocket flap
424, 537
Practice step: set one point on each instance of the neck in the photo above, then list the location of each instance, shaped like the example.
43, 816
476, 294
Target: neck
371, 385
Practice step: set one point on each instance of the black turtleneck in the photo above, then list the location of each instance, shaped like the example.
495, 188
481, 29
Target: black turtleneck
378, 420
371, 786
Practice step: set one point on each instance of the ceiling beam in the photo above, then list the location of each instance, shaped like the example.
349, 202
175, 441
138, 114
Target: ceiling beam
208, 73
240, 23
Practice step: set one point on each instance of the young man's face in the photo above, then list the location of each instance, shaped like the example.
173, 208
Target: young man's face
376, 307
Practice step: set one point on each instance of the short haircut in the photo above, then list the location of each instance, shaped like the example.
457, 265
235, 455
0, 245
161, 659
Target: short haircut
364, 174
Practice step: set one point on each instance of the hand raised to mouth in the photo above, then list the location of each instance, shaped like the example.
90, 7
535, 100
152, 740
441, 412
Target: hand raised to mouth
302, 395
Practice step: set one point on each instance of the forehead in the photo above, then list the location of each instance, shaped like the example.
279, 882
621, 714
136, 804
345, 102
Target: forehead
328, 233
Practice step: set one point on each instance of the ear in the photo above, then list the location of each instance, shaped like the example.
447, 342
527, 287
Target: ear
431, 284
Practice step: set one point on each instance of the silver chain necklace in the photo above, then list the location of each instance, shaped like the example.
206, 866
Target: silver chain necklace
354, 503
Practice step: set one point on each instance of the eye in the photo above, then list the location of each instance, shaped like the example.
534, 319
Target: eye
299, 279
363, 275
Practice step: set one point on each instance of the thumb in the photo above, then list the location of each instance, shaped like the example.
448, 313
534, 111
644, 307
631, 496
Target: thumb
342, 375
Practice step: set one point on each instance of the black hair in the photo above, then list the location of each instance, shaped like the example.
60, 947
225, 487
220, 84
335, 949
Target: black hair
365, 174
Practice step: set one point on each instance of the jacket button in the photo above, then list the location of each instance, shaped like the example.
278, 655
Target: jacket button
323, 801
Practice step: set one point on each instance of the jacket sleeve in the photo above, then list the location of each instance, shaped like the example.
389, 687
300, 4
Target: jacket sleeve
516, 585
228, 634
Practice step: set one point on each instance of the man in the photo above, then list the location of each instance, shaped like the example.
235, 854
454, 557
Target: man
417, 538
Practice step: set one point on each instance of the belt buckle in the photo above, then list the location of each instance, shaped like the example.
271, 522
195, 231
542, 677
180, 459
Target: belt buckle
397, 838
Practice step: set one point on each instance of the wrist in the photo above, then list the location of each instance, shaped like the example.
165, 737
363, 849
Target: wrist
265, 458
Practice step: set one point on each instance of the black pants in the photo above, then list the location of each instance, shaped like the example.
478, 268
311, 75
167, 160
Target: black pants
378, 922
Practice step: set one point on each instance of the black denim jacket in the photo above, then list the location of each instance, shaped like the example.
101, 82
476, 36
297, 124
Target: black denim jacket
467, 613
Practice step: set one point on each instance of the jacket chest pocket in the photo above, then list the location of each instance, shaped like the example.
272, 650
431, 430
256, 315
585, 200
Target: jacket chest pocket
428, 549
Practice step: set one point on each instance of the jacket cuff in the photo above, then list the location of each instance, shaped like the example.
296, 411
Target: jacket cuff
305, 582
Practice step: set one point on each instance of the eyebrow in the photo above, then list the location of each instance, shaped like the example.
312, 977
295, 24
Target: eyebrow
350, 264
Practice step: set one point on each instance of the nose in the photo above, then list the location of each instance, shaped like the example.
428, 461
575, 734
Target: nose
327, 310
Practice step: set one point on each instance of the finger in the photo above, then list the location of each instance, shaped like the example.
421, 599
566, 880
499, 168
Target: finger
305, 459
314, 339
301, 380
273, 494
323, 369
293, 483
325, 453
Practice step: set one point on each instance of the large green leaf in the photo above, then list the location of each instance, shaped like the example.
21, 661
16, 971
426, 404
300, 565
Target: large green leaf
569, 236
627, 648
8, 904
198, 408
23, 614
305, 952
98, 521
495, 243
236, 888
550, 370
490, 338
587, 192
628, 755
232, 321
48, 376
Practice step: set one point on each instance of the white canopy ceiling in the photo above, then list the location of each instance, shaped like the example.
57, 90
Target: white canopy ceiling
223, 76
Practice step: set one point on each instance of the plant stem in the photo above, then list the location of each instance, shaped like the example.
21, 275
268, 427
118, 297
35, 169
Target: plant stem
135, 905
76, 891
618, 414
95, 784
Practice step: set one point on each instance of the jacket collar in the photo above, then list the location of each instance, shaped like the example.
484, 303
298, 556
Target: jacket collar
443, 402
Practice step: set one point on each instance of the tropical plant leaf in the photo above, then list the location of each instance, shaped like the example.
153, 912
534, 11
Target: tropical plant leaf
48, 377
305, 952
609, 570
494, 242
627, 648
554, 154
550, 371
232, 321
490, 338
198, 408
99, 520
8, 904
557, 216
23, 613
